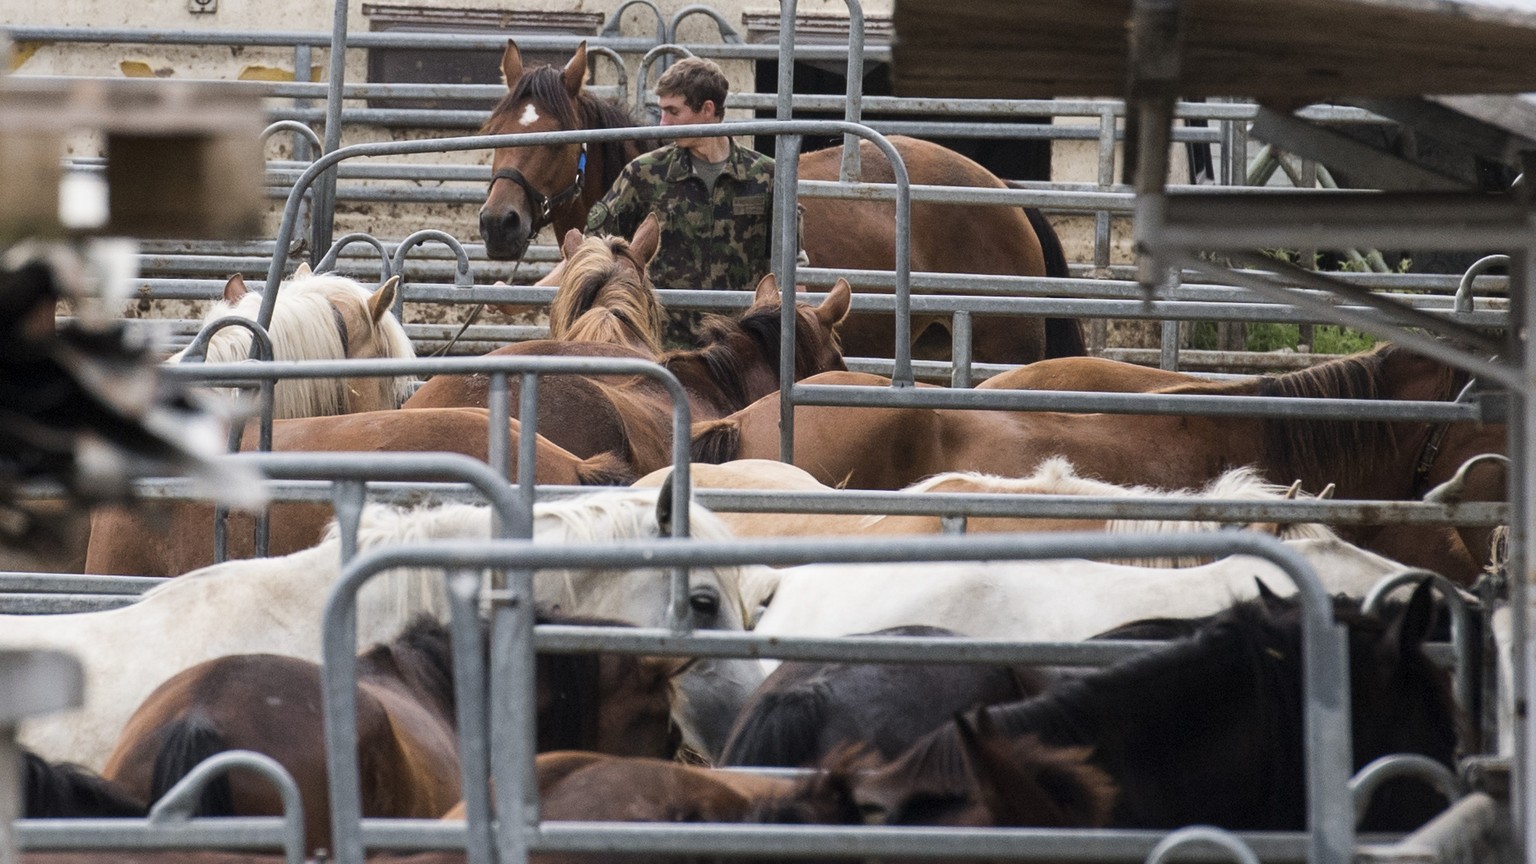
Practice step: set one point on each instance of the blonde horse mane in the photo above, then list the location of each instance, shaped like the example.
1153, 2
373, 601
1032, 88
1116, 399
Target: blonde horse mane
304, 327
606, 296
1057, 476
603, 517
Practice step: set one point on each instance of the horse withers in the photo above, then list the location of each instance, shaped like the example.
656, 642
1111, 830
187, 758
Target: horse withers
558, 184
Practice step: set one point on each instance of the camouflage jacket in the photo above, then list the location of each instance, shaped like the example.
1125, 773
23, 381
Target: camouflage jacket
717, 240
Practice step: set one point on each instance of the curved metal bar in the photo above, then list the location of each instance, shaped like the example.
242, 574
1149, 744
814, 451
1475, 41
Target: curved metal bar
1394, 766
328, 260
461, 276
620, 70
1461, 621
613, 26
849, 172
295, 127
1202, 834
902, 373
261, 342
728, 33
642, 81
178, 804
1480, 266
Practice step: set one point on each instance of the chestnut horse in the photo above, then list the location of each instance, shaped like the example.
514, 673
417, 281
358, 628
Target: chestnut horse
632, 415
169, 538
407, 740
318, 316
525, 194
888, 448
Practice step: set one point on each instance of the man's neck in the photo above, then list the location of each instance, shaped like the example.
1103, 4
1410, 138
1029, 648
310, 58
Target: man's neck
710, 149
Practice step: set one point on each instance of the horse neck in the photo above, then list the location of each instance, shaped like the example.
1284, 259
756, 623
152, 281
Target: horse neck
418, 663
1153, 721
718, 377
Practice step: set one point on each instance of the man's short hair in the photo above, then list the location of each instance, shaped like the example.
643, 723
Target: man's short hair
697, 80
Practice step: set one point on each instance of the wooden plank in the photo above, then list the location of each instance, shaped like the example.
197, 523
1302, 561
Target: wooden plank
1279, 50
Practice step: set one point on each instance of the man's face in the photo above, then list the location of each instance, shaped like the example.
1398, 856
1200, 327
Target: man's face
675, 112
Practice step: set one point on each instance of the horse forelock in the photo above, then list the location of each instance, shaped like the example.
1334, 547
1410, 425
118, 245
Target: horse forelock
605, 272
541, 85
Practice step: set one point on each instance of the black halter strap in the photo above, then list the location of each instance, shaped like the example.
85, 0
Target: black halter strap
544, 205
1432, 444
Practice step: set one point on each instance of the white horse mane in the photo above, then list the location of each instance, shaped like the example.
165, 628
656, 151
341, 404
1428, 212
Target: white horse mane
304, 328
1057, 476
603, 517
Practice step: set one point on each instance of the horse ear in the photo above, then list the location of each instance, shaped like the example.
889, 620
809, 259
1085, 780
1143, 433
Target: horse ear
575, 72
1272, 601
647, 238
383, 300
664, 508
511, 64
834, 309
234, 289
1411, 627
767, 290
571, 242
302, 271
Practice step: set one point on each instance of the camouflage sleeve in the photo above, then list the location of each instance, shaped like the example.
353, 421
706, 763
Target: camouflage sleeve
616, 213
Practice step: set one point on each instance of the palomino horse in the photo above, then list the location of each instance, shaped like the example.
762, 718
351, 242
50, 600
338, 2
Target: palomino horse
605, 294
169, 538
888, 448
839, 233
318, 316
631, 415
406, 740
1054, 476
1209, 730
273, 605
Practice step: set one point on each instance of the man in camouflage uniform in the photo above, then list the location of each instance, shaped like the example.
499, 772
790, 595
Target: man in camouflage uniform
714, 198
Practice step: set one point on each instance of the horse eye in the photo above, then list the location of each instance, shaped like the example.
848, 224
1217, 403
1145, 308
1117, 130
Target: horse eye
704, 603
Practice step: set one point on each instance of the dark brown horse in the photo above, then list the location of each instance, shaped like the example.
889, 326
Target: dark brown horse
170, 538
407, 745
1209, 730
631, 415
889, 448
805, 710
838, 233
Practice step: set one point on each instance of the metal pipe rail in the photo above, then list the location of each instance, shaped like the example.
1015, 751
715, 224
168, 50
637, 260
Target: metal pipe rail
1324, 661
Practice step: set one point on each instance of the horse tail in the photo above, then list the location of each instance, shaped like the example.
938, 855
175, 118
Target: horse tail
605, 469
1063, 336
781, 730
716, 441
188, 741
67, 791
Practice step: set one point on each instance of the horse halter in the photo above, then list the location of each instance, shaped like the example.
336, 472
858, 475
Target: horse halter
546, 204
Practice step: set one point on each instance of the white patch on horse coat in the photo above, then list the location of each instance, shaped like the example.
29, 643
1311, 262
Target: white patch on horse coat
274, 605
530, 115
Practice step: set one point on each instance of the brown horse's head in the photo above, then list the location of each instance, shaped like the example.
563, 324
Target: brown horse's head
536, 186
817, 345
605, 292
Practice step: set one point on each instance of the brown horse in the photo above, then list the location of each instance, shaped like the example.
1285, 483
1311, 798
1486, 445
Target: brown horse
169, 538
888, 448
605, 294
838, 233
631, 415
406, 739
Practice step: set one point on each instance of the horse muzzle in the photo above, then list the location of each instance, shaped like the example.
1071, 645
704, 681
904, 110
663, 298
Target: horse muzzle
506, 233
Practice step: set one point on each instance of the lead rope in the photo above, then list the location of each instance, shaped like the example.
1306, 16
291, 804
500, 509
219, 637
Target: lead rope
473, 317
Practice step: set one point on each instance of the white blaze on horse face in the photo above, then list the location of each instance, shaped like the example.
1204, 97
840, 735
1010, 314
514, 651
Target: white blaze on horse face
530, 115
